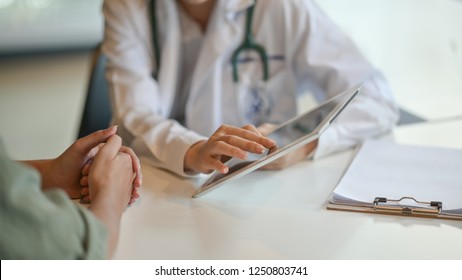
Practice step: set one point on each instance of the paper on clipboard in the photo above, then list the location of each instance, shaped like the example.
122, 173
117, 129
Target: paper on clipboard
383, 169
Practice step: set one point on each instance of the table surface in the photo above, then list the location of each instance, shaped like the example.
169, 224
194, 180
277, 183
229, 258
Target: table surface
282, 215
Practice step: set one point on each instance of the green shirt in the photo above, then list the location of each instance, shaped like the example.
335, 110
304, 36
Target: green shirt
43, 225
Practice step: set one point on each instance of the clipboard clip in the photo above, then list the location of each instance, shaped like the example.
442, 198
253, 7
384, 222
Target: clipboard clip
382, 204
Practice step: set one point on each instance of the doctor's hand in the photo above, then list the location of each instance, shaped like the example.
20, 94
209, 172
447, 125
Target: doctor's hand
289, 159
226, 142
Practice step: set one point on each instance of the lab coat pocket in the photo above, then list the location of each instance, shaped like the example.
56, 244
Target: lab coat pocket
259, 101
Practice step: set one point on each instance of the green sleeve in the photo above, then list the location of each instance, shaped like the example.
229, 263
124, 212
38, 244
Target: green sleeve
43, 225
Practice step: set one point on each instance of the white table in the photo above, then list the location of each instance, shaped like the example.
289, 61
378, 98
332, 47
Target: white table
279, 215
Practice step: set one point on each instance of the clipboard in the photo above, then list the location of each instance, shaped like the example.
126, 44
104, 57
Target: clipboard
380, 206
383, 163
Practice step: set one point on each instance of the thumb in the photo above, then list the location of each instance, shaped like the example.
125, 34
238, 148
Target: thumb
88, 142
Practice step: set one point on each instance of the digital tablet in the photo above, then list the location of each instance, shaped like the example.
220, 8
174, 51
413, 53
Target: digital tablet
289, 136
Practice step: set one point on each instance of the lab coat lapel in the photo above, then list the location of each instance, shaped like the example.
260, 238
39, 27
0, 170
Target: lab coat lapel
223, 35
170, 33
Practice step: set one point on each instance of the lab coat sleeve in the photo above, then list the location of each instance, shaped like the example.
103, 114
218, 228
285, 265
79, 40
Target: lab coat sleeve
325, 57
136, 98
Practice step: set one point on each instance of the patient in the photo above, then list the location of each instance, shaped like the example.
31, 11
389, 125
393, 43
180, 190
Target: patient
38, 219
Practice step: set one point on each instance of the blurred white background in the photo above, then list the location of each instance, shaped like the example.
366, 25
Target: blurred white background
31, 25
46, 45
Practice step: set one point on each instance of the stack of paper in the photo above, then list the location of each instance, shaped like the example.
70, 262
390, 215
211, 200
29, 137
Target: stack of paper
390, 170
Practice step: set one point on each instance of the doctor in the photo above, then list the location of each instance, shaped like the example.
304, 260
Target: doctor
176, 77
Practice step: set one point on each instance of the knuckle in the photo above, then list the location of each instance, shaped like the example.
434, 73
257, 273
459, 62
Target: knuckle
236, 152
249, 127
128, 149
125, 157
223, 129
225, 126
250, 146
78, 145
117, 137
213, 139
100, 133
228, 138
216, 144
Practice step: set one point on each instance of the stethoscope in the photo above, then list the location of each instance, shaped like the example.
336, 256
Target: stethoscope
248, 43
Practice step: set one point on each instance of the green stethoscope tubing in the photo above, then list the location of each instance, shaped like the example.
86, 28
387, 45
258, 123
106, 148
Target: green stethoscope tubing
155, 36
248, 43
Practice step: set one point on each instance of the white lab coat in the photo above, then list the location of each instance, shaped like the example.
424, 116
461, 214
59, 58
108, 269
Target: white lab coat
317, 57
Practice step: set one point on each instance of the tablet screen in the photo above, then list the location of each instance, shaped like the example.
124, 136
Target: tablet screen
288, 136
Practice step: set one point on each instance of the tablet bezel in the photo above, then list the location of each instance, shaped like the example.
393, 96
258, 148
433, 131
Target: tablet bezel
349, 94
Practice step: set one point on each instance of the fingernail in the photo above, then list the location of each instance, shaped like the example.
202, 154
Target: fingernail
260, 149
224, 170
114, 127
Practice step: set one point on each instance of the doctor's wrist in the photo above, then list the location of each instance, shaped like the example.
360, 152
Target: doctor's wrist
190, 163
